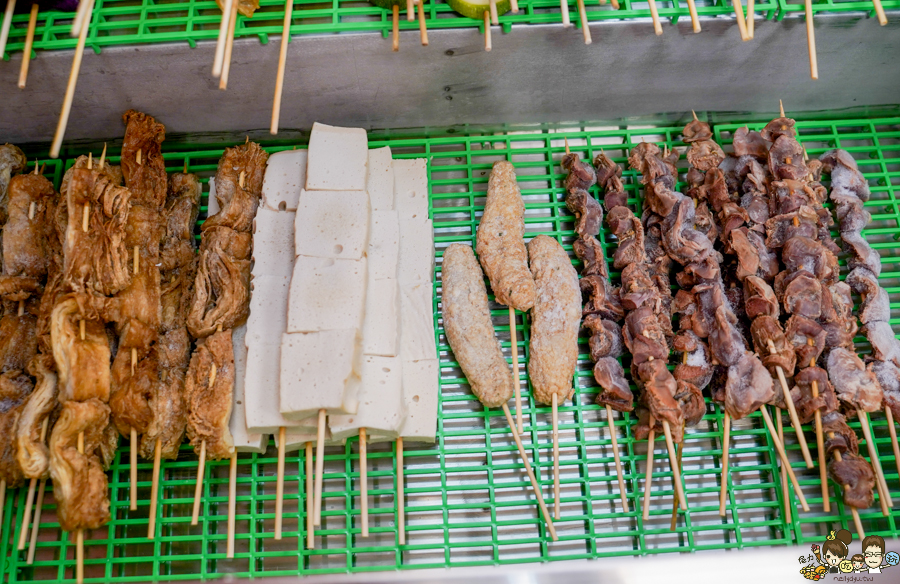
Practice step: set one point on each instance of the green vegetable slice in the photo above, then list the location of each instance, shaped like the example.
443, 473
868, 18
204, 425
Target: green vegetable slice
476, 8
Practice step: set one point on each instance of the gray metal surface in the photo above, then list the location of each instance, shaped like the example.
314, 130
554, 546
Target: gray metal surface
537, 74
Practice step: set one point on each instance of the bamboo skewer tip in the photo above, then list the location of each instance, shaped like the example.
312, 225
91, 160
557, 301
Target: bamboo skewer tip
487, 32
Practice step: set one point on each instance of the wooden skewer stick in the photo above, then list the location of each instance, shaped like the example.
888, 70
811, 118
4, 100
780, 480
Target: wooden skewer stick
648, 480
364, 482
7, 24
820, 444
853, 510
615, 448
534, 484
781, 110
676, 472
654, 14
515, 359
133, 462
792, 410
29, 42
784, 459
198, 489
401, 512
410, 10
37, 522
695, 20
784, 478
811, 42
555, 420
221, 40
514, 6
881, 482
282, 59
80, 13
232, 503
674, 523
320, 467
423, 30
564, 8
879, 10
154, 489
21, 308
739, 16
310, 506
70, 86
750, 19
23, 534
615, 4
279, 484
893, 431
726, 445
395, 27
487, 32
79, 535
582, 14
495, 18
229, 47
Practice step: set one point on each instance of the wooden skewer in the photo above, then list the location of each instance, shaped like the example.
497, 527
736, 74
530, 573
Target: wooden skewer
487, 32
279, 484
410, 10
310, 506
320, 467
820, 443
555, 420
881, 482
564, 8
219, 57
615, 4
648, 480
676, 472
37, 522
401, 512
29, 43
750, 19
21, 308
79, 535
133, 462
395, 26
739, 16
879, 10
582, 14
695, 20
784, 459
811, 42
654, 14
81, 326
893, 431
80, 13
7, 24
615, 447
229, 47
423, 30
726, 445
23, 534
495, 18
674, 523
70, 86
198, 489
784, 477
792, 410
154, 489
232, 503
282, 59
534, 484
781, 111
514, 6
853, 510
364, 481
515, 359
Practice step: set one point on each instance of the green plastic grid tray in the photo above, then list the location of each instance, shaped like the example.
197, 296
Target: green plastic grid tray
130, 22
467, 498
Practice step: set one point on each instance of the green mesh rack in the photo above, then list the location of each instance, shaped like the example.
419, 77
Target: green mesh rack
467, 498
129, 22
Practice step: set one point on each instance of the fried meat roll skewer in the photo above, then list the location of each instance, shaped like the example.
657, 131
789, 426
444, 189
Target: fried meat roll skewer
467, 324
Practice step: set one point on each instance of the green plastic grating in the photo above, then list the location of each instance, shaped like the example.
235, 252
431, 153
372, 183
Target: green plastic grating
130, 22
467, 498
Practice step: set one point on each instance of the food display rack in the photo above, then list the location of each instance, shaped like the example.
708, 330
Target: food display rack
467, 499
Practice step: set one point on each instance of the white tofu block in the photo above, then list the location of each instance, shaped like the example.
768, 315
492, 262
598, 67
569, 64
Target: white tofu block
213, 202
273, 243
384, 245
263, 389
332, 225
244, 439
416, 261
380, 179
320, 371
268, 309
297, 441
381, 329
284, 179
381, 407
417, 323
411, 188
337, 159
327, 295
421, 388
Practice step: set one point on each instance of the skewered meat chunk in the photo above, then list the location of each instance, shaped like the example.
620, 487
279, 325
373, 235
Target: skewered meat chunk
759, 298
82, 365
18, 341
748, 386
606, 337
659, 196
766, 328
704, 222
208, 387
628, 229
802, 393
786, 159
167, 401
875, 305
645, 159
801, 293
615, 390
846, 179
467, 323
581, 175
12, 161
133, 388
725, 340
753, 258
145, 176
14, 288
15, 387
644, 336
804, 253
588, 212
658, 389
748, 142
885, 346
856, 478
777, 128
696, 131
696, 369
606, 170
31, 452
798, 331
600, 298
221, 288
638, 289
499, 242
844, 440
238, 204
690, 400
705, 155
556, 319
589, 251
681, 241
888, 376
861, 253
855, 385
24, 240
781, 228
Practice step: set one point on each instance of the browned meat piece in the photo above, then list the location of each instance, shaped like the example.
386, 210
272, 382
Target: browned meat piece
79, 480
715, 190
765, 328
861, 253
705, 155
844, 439
854, 384
681, 241
500, 245
83, 365
786, 159
589, 251
555, 320
696, 369
690, 400
888, 376
176, 290
885, 346
852, 215
757, 209
15, 387
781, 228
208, 393
644, 336
731, 217
658, 389
659, 196
801, 293
25, 250
644, 158
725, 340
638, 289
606, 169
803, 253
31, 451
133, 387
748, 387
221, 289
759, 298
606, 337
467, 324
837, 316
856, 478
628, 229
615, 194
777, 128
696, 131
12, 161
750, 143
15, 288
748, 256
875, 305
237, 204
588, 212
789, 195
611, 377
245, 8
705, 223
601, 298
167, 401
145, 177
846, 179
799, 331
581, 175
18, 341
806, 404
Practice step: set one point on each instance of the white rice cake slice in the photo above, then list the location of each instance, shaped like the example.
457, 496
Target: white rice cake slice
411, 188
297, 441
381, 329
380, 179
268, 309
381, 407
327, 295
384, 245
421, 388
332, 225
263, 389
416, 259
244, 439
337, 159
284, 179
417, 323
320, 370
273, 243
